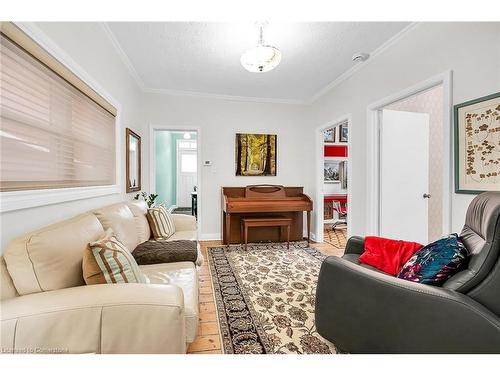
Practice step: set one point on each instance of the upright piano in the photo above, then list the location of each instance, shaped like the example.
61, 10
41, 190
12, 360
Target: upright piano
261, 201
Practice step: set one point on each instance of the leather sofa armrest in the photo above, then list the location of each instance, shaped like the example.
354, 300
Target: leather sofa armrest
184, 222
355, 245
364, 311
105, 318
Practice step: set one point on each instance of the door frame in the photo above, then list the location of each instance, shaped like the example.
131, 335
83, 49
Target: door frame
317, 235
177, 165
373, 122
152, 162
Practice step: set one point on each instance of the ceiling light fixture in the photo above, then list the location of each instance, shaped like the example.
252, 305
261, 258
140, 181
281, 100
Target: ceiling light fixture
262, 58
187, 135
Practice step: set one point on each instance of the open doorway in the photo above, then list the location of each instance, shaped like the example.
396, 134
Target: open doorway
176, 170
410, 150
332, 217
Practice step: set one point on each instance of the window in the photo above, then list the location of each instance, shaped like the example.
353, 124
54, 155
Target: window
188, 162
55, 131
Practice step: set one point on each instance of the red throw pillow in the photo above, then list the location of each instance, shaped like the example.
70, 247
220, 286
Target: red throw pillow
388, 255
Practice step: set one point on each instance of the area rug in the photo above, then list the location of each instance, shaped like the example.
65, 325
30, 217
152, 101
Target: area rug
336, 237
265, 298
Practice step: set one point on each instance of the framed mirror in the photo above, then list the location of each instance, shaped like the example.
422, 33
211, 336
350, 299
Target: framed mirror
133, 161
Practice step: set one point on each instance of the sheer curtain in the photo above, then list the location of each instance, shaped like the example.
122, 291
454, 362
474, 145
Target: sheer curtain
52, 135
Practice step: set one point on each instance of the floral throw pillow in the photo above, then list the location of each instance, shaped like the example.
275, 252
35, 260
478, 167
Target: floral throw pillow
436, 262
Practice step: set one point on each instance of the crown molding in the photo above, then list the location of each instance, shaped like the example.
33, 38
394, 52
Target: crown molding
348, 73
123, 55
221, 97
393, 40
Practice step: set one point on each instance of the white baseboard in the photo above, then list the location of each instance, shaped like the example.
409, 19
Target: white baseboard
210, 237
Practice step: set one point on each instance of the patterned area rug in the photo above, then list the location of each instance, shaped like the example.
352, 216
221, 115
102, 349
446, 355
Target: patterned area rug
336, 237
265, 298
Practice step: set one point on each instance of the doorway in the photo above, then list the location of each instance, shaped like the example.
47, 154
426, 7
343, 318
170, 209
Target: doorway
333, 183
410, 177
175, 169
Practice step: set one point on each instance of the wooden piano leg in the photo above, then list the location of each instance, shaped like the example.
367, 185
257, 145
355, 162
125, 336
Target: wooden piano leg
228, 229
308, 227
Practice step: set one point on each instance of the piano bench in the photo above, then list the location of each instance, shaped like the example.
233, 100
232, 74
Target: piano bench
266, 221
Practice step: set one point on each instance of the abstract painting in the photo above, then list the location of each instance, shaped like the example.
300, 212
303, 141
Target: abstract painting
477, 145
255, 154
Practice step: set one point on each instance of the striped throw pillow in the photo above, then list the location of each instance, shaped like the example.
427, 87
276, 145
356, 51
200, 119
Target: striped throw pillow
108, 261
161, 223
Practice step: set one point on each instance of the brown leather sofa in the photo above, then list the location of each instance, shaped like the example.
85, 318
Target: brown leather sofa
46, 307
362, 310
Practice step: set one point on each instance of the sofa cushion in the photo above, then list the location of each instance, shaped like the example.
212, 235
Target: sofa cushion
51, 258
188, 235
139, 210
107, 261
436, 262
185, 276
354, 258
161, 223
154, 252
120, 219
8, 290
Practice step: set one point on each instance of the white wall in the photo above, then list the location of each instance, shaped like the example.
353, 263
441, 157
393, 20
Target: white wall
88, 46
219, 121
469, 49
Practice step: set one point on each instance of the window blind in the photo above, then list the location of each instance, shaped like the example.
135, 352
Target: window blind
52, 135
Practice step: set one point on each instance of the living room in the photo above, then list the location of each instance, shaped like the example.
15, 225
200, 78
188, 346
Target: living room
244, 259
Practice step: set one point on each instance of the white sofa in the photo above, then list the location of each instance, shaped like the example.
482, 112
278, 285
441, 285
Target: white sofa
46, 307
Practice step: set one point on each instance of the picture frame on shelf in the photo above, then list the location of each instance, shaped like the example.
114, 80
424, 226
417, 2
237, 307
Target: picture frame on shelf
477, 145
343, 133
331, 170
329, 135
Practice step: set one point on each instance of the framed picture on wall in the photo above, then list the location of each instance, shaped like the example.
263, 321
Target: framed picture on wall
132, 161
255, 154
343, 132
477, 145
331, 171
329, 135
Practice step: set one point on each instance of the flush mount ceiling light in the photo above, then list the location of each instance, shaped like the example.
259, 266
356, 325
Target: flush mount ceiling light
187, 135
262, 58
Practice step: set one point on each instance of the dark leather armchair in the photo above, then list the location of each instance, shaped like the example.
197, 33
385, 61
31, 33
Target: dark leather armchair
362, 310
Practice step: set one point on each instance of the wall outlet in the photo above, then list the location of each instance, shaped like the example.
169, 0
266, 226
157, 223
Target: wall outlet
207, 163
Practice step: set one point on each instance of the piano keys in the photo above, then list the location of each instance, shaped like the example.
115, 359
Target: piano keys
262, 201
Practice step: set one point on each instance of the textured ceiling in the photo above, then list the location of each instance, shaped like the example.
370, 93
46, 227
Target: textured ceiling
204, 58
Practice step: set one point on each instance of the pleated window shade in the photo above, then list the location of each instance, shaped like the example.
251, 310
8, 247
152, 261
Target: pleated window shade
52, 135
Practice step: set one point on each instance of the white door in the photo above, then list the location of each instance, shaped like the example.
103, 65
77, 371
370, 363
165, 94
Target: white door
404, 175
186, 175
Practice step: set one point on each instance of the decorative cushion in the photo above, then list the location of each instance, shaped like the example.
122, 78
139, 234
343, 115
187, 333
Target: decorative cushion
436, 262
388, 255
161, 223
154, 252
107, 261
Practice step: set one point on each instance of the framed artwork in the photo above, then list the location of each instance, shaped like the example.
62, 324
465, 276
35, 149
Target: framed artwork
477, 145
331, 171
329, 135
132, 161
343, 174
343, 132
255, 154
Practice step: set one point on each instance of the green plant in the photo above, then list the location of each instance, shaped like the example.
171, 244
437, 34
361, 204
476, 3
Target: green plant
149, 199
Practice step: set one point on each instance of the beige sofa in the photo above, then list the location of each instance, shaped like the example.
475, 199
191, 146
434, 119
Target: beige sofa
47, 308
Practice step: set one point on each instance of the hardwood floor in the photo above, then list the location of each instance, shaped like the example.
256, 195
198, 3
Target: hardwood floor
208, 340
